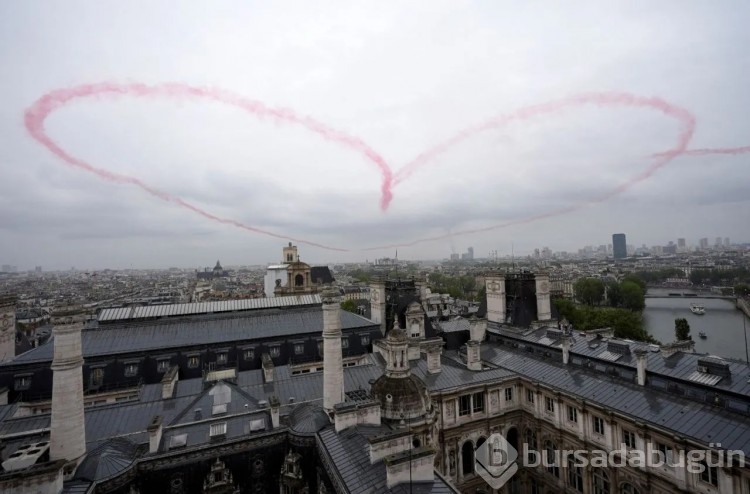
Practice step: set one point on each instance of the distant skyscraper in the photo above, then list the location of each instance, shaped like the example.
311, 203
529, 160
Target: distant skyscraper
470, 251
619, 247
704, 243
718, 242
681, 243
726, 242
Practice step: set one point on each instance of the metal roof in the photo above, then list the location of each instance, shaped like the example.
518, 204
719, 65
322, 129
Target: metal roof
172, 310
348, 450
701, 422
198, 330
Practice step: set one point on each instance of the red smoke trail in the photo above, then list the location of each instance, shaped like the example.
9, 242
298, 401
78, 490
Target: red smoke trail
37, 114
683, 116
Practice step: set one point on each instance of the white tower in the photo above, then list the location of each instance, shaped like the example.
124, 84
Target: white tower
495, 284
333, 367
68, 434
377, 303
7, 328
543, 309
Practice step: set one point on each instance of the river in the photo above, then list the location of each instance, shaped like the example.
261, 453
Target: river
722, 323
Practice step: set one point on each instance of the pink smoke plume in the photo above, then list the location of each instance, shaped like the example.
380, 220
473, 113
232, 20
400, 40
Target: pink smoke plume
37, 114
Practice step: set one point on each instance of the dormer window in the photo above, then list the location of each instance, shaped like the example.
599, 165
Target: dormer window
222, 358
22, 382
163, 365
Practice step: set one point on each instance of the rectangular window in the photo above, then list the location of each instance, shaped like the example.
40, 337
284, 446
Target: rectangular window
478, 399
508, 394
219, 429
299, 348
222, 358
599, 425
365, 339
163, 365
97, 377
22, 383
572, 414
131, 369
274, 351
344, 342
249, 354
194, 361
464, 405
549, 404
628, 438
665, 452
708, 475
530, 396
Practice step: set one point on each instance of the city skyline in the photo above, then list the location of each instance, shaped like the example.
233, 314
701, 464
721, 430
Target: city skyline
398, 81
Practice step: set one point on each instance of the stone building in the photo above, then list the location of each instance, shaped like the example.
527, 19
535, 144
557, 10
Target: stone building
408, 417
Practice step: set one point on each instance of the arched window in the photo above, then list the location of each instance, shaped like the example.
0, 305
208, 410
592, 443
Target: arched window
550, 460
575, 475
627, 488
601, 481
467, 458
531, 446
299, 280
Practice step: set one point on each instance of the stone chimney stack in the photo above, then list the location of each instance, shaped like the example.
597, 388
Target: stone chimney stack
565, 343
434, 348
268, 368
421, 285
495, 284
543, 309
641, 356
7, 328
473, 356
333, 366
68, 433
477, 328
377, 302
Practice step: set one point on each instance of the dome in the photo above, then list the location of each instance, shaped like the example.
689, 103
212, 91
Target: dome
307, 419
401, 395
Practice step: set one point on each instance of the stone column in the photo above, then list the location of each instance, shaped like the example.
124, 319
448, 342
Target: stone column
543, 309
68, 434
7, 328
377, 302
641, 357
496, 298
333, 368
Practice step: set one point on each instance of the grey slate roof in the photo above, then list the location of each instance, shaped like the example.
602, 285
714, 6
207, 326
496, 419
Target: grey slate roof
108, 460
453, 326
198, 330
704, 423
679, 366
349, 451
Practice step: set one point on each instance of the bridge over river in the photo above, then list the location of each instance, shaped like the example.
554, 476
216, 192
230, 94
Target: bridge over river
689, 295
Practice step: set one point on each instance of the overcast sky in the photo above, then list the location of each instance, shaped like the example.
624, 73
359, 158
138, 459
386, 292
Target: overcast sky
400, 76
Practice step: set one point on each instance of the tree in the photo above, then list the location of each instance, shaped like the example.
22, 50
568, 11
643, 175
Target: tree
614, 294
589, 291
633, 297
349, 305
682, 329
635, 279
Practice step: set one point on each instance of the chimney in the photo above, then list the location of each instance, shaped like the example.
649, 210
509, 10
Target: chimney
641, 356
377, 302
565, 348
434, 349
275, 405
169, 382
333, 367
473, 356
543, 309
421, 285
155, 430
495, 285
267, 365
68, 434
477, 328
7, 328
